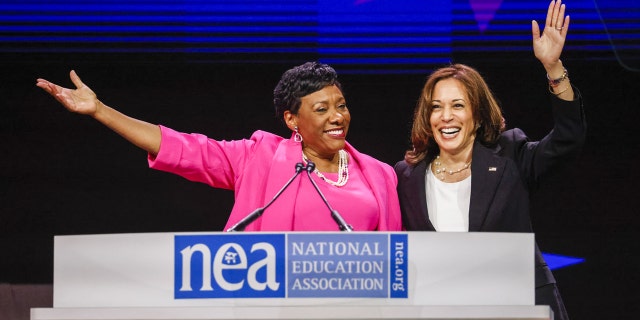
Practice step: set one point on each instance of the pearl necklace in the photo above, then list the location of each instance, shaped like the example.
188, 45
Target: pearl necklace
343, 170
440, 171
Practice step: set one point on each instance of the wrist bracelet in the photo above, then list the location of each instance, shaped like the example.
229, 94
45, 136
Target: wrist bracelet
556, 82
561, 92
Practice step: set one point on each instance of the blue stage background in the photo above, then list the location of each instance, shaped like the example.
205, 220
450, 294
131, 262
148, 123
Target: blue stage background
366, 35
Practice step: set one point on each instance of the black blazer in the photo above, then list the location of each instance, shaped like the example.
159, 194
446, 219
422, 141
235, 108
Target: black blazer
501, 178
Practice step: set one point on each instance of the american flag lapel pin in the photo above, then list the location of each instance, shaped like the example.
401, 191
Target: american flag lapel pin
491, 169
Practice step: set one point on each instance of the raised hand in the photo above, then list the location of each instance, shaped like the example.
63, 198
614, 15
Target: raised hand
548, 46
80, 100
83, 100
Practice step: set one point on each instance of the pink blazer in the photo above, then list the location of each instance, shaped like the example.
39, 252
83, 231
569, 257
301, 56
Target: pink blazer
257, 168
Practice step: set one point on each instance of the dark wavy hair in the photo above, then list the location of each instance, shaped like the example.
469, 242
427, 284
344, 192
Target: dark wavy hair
485, 109
300, 81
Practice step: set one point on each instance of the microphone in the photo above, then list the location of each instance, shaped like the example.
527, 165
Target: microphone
343, 225
258, 212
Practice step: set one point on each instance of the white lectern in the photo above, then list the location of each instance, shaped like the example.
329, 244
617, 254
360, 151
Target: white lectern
294, 275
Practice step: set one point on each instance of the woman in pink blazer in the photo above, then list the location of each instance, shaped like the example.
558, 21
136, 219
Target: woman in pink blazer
309, 100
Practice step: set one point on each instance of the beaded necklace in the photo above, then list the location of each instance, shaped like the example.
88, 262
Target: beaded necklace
440, 171
343, 170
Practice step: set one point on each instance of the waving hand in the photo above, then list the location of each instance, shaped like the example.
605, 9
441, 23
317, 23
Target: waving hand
548, 46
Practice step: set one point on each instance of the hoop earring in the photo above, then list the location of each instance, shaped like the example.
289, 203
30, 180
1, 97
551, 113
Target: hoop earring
297, 137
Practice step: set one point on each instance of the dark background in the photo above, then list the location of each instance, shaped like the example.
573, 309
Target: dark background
62, 173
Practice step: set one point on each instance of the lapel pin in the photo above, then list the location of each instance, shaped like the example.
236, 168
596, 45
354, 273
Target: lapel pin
492, 169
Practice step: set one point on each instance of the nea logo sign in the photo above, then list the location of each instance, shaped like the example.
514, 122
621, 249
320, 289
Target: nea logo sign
229, 266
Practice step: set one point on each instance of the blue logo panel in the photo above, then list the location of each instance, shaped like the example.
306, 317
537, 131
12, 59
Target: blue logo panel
398, 275
340, 265
291, 265
229, 266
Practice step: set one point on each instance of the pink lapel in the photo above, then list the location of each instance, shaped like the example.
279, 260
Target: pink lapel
279, 216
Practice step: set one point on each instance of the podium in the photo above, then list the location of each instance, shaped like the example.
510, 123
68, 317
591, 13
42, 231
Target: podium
294, 275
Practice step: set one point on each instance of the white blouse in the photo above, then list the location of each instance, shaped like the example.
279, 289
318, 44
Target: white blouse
448, 203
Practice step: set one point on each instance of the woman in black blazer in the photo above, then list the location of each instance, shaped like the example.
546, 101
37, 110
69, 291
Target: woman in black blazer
466, 173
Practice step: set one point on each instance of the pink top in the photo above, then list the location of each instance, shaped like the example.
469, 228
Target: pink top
257, 168
353, 201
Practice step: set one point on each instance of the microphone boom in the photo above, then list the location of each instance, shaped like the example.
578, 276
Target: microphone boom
258, 212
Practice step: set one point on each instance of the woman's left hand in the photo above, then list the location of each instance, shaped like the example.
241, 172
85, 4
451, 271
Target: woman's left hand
548, 46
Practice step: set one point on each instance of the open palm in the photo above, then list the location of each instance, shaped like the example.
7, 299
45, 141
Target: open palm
80, 100
548, 46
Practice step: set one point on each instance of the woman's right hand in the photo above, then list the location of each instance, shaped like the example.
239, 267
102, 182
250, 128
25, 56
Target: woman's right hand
81, 100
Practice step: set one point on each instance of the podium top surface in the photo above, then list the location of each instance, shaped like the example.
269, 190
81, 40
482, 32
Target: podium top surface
306, 312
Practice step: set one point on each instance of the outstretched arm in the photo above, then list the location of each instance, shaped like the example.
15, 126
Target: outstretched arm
83, 100
548, 47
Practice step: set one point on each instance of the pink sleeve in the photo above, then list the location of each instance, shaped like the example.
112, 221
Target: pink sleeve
199, 158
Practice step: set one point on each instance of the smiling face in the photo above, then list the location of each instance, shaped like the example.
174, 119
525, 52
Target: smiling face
451, 118
323, 121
